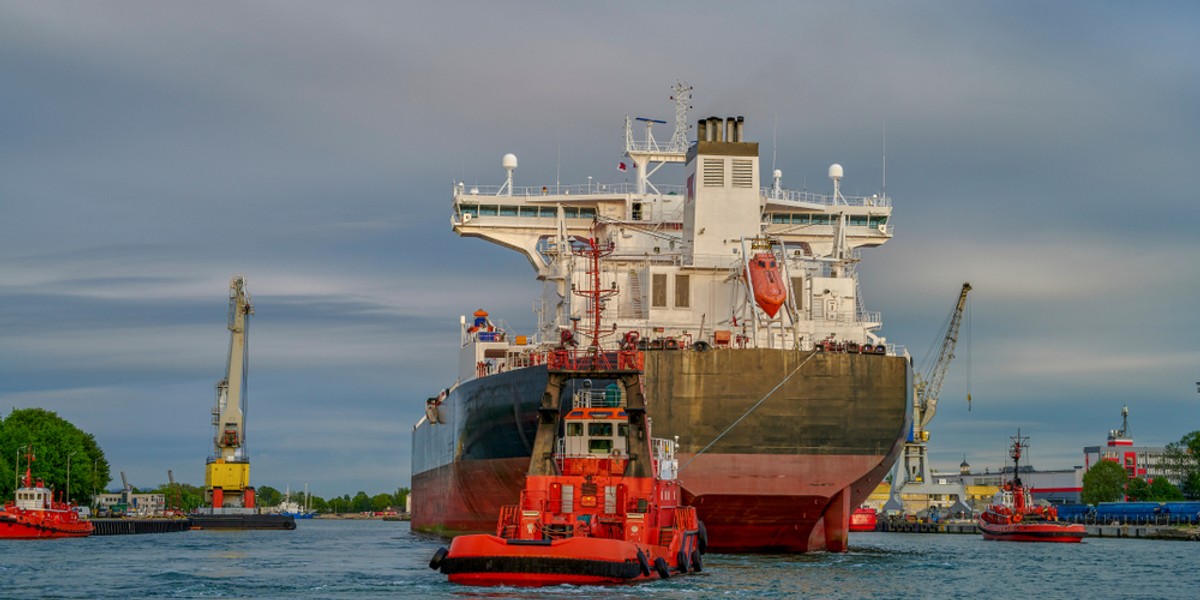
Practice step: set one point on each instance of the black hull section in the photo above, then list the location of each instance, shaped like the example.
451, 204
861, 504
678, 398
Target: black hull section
242, 522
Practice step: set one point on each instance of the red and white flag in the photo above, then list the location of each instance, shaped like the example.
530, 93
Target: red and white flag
621, 166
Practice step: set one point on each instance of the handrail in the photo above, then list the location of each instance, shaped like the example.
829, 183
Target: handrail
608, 190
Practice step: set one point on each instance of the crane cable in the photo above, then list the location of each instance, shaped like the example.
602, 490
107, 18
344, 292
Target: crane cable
748, 411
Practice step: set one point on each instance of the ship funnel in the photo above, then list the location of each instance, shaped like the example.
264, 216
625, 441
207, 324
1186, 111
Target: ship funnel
714, 129
702, 130
730, 130
741, 126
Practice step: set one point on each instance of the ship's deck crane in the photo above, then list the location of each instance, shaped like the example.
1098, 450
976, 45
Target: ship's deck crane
227, 473
911, 474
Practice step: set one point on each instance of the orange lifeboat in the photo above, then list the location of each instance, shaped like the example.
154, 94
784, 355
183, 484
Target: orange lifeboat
769, 291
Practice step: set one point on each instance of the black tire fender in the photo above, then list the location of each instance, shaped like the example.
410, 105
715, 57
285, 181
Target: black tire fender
697, 565
643, 563
660, 565
681, 561
436, 561
702, 538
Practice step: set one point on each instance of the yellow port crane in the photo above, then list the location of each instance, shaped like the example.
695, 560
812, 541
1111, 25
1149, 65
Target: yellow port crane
227, 473
911, 474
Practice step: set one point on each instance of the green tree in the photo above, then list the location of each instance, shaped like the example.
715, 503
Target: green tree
361, 502
400, 498
1137, 490
318, 504
1104, 482
1181, 460
381, 502
1162, 490
182, 496
56, 445
268, 496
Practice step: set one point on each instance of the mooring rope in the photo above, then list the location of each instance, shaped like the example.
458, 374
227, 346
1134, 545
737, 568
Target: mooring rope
748, 411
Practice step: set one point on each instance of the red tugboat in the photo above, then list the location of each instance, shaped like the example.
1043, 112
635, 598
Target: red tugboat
1014, 518
34, 513
601, 503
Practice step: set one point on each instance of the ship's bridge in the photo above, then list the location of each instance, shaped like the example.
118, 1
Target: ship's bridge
531, 219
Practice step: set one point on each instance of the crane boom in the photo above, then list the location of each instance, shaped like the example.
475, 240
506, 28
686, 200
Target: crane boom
930, 385
911, 474
227, 475
230, 437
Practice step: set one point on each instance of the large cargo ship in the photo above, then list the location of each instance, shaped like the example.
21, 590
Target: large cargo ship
760, 357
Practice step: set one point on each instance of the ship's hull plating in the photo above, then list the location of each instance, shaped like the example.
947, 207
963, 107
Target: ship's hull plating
783, 478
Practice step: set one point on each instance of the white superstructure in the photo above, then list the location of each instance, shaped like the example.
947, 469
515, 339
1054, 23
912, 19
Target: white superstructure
680, 251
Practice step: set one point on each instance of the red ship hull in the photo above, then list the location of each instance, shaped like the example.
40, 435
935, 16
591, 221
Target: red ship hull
784, 479
743, 501
1033, 532
41, 524
487, 560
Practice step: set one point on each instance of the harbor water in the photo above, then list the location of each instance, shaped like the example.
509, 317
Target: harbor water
379, 559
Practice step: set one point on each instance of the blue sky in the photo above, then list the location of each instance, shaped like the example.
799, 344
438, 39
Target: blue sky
1049, 153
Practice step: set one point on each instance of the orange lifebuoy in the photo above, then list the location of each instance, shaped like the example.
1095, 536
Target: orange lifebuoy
1017, 518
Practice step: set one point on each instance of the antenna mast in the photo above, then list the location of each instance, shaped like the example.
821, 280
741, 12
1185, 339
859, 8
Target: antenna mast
683, 98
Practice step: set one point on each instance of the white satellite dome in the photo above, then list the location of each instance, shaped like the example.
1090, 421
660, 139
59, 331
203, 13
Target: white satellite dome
835, 171
509, 161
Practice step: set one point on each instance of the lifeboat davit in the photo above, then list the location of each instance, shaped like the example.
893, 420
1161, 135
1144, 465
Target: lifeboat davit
1013, 517
601, 504
769, 290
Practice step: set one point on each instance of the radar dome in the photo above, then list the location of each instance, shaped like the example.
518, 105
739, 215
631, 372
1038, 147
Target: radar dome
835, 171
778, 174
509, 161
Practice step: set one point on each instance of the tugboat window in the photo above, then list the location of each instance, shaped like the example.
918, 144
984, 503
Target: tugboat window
600, 429
574, 429
600, 446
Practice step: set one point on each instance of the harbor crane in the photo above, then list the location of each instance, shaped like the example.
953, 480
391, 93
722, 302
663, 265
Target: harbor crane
227, 472
911, 474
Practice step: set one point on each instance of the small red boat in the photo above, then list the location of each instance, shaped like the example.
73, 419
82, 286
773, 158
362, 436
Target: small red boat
601, 502
1014, 518
769, 291
863, 519
34, 513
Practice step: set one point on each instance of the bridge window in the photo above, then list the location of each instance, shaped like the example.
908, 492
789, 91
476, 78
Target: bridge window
820, 219
469, 209
571, 212
508, 211
487, 211
587, 213
858, 220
